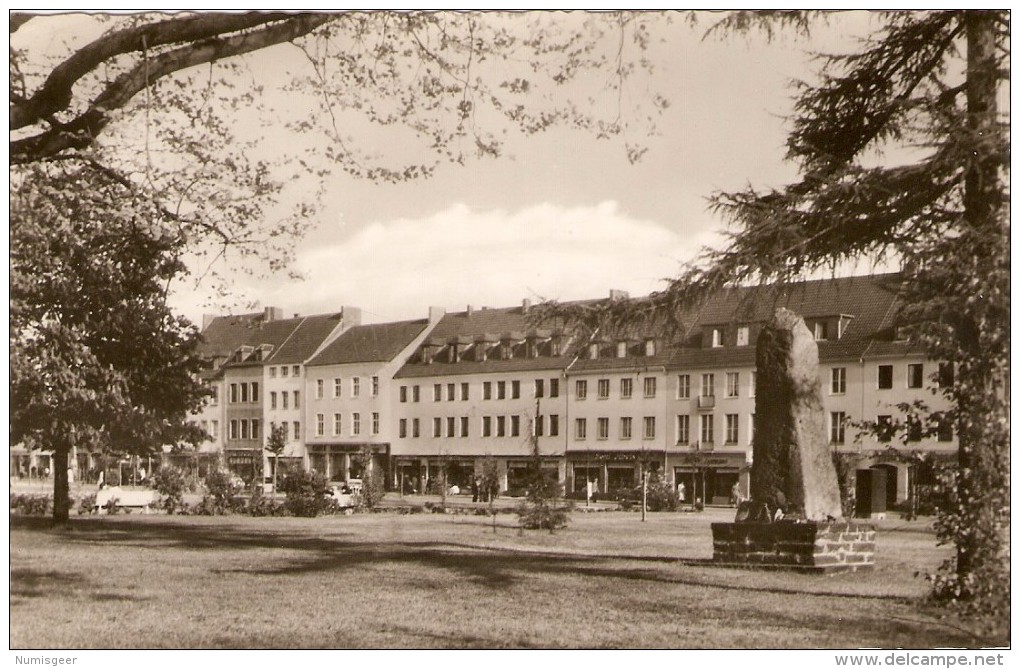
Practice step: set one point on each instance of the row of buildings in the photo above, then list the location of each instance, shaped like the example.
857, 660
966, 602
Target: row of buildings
456, 389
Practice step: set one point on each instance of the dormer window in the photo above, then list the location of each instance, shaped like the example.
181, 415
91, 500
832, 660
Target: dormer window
821, 330
621, 349
649, 347
593, 351
717, 337
743, 335
508, 349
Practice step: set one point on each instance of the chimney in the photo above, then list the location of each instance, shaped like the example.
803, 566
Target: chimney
273, 314
525, 305
436, 313
207, 320
616, 295
470, 310
351, 316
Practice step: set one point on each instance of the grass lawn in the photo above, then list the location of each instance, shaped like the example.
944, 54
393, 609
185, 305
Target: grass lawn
436, 581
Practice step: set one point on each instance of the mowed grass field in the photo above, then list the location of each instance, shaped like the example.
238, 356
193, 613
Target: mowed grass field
444, 581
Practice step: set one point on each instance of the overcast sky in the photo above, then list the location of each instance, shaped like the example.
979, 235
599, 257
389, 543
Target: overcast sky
562, 215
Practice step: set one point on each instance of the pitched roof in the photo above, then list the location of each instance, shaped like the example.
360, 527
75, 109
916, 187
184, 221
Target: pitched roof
370, 343
306, 339
870, 301
225, 333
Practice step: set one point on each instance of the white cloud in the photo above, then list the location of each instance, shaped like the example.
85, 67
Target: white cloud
455, 257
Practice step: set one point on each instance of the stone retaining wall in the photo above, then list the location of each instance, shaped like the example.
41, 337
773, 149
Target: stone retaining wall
808, 546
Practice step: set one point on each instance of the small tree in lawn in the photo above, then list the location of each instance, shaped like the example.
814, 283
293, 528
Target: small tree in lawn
543, 507
373, 485
489, 486
275, 443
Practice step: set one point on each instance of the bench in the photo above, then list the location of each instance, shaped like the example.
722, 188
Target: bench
126, 499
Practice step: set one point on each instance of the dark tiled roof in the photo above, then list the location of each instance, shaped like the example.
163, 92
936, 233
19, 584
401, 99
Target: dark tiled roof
305, 339
871, 301
225, 333
370, 343
270, 334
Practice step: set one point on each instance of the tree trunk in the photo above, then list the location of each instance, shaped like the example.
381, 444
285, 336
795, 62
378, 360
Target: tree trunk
981, 201
61, 496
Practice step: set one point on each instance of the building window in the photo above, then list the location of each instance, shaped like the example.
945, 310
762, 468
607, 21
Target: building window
451, 391
915, 375
233, 429
554, 425
708, 385
626, 388
403, 428
272, 399
732, 384
603, 389
415, 428
416, 394
319, 386
683, 429
515, 390
649, 386
215, 434
944, 429
945, 375
375, 422
320, 424
464, 423
254, 392
500, 426
296, 370
581, 389
554, 387
297, 430
403, 393
683, 387
356, 386
884, 428
272, 372
515, 426
838, 381
337, 424
626, 427
464, 388
255, 428
885, 377
486, 426
752, 390
437, 427
337, 387
214, 398
538, 426
297, 399
451, 426
649, 427
602, 428
621, 349
284, 371
837, 427
437, 392
244, 392
732, 428
501, 390
707, 428
487, 390
375, 386
717, 337
539, 387
649, 347
284, 400
580, 428
743, 335
821, 330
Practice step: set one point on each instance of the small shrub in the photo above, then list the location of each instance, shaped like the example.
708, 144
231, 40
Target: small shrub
307, 494
259, 505
223, 488
31, 505
170, 483
86, 504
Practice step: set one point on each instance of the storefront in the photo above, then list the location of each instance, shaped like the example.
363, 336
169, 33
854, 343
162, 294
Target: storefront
344, 462
245, 463
711, 477
610, 472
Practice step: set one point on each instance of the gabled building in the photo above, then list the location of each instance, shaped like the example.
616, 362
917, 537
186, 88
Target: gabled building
350, 404
483, 384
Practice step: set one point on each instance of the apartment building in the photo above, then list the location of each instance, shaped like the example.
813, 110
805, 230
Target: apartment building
483, 384
349, 405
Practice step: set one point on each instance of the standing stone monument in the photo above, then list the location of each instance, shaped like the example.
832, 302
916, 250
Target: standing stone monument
792, 517
792, 455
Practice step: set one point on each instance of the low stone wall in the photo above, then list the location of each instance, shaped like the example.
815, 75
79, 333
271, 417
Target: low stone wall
808, 546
